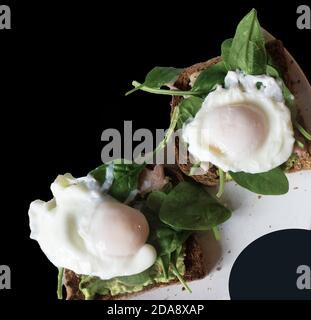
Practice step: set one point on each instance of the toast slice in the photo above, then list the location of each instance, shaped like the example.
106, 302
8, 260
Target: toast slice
276, 50
195, 270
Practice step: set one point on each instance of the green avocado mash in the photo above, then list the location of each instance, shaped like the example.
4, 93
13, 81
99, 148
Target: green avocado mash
92, 286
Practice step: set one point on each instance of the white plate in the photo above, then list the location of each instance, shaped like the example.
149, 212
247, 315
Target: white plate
252, 217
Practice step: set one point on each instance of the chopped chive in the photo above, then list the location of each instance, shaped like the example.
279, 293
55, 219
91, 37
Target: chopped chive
259, 84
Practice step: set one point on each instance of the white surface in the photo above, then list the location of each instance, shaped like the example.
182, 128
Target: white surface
252, 217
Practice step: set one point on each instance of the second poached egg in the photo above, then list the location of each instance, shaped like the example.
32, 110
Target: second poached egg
244, 126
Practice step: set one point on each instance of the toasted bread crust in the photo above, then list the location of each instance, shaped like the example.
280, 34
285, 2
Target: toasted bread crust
277, 52
195, 270
182, 83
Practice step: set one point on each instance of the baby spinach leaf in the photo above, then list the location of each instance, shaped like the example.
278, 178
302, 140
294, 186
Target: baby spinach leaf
169, 239
164, 262
271, 62
209, 78
163, 237
225, 50
100, 173
169, 132
125, 178
175, 270
155, 200
142, 87
273, 182
168, 135
190, 207
188, 108
272, 71
160, 76
247, 51
157, 78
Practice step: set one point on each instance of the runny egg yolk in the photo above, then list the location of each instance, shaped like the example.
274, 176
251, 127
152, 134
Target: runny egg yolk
118, 229
235, 129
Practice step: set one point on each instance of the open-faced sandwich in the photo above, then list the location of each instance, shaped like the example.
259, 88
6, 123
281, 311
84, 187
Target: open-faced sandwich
236, 114
123, 229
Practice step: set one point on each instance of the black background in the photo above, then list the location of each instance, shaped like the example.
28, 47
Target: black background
64, 70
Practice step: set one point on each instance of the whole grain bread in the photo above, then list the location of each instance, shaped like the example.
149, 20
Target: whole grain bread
195, 270
276, 50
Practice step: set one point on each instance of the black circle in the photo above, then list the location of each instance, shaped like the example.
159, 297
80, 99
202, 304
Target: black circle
268, 267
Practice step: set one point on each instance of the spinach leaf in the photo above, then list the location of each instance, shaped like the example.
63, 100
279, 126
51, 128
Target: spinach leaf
157, 78
124, 179
100, 172
271, 62
170, 243
165, 239
190, 207
155, 200
169, 132
164, 262
162, 236
273, 182
142, 87
175, 270
188, 108
209, 78
160, 76
225, 50
272, 71
169, 239
247, 51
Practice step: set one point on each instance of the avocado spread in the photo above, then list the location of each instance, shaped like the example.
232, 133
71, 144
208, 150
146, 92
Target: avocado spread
92, 286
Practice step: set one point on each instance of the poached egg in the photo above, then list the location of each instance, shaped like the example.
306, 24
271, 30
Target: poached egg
244, 126
89, 232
